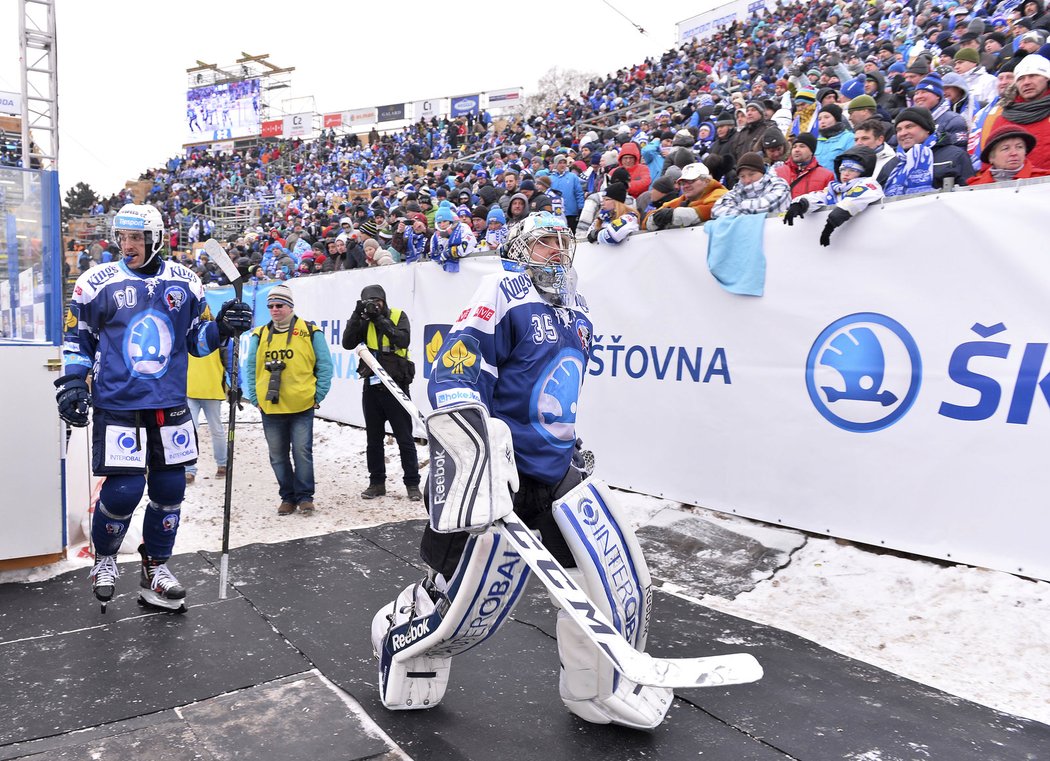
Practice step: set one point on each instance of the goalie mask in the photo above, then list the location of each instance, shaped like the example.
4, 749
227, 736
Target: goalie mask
134, 219
543, 246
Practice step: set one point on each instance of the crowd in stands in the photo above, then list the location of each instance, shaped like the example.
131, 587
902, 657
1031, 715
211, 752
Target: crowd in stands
815, 104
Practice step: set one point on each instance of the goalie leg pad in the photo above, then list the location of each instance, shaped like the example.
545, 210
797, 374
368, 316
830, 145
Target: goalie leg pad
612, 570
416, 636
472, 469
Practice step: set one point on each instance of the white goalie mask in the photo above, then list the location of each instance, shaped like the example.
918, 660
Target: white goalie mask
544, 246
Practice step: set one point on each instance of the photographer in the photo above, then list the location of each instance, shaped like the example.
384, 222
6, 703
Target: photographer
386, 333
288, 374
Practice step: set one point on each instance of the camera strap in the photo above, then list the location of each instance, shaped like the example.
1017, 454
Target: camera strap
288, 333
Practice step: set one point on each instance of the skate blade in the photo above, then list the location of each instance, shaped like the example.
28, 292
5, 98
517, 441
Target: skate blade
150, 599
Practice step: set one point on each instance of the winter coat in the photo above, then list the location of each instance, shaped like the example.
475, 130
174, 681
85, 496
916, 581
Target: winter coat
769, 194
807, 179
829, 148
1040, 155
571, 192
689, 213
640, 177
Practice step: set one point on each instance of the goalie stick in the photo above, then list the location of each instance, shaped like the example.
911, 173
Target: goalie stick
639, 667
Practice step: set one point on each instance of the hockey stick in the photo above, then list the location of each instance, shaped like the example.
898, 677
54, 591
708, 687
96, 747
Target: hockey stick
639, 667
219, 256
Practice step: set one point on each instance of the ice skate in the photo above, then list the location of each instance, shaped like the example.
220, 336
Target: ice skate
104, 578
158, 586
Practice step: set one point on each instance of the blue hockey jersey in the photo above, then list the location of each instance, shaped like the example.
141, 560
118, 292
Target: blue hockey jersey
525, 361
133, 333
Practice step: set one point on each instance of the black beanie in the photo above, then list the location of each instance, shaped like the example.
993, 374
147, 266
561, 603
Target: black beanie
617, 191
807, 139
373, 292
834, 109
920, 116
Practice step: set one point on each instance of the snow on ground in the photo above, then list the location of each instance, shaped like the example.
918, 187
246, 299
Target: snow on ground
982, 635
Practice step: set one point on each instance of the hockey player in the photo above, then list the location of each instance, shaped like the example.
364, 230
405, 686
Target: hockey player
854, 191
505, 386
130, 325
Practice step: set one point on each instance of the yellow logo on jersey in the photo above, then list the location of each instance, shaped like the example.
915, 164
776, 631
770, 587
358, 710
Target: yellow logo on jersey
434, 347
458, 358
70, 321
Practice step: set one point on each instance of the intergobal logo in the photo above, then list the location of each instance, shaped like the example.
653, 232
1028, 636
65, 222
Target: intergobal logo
863, 372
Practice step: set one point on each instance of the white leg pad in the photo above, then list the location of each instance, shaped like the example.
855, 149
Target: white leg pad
613, 572
415, 637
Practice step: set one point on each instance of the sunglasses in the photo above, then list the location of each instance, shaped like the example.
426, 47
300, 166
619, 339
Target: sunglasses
276, 306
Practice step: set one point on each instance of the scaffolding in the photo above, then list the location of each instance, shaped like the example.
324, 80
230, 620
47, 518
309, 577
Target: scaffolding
38, 55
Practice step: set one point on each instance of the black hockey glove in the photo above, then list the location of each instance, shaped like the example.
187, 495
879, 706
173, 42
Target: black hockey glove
797, 209
662, 218
592, 236
836, 218
234, 318
73, 399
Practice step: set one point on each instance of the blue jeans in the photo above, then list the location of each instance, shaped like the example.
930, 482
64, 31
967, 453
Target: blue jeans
292, 432
213, 414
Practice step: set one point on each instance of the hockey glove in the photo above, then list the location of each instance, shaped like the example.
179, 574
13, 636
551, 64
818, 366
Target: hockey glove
73, 399
836, 218
662, 218
234, 318
605, 216
797, 209
592, 236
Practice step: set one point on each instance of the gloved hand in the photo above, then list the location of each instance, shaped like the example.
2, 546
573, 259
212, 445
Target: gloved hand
605, 216
592, 236
836, 218
662, 218
234, 318
796, 209
73, 399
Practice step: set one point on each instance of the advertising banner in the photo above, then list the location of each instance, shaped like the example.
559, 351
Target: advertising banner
333, 120
425, 109
360, 117
11, 103
273, 128
504, 98
706, 24
891, 389
465, 104
297, 125
392, 113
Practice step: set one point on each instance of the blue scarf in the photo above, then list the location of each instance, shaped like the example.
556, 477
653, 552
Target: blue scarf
415, 244
447, 249
914, 170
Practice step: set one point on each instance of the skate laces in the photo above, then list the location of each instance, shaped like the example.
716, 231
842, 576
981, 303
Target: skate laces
105, 572
161, 579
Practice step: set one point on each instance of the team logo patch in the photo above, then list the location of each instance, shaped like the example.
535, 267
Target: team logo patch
554, 399
433, 338
71, 319
583, 332
114, 529
148, 341
169, 523
459, 360
180, 443
174, 298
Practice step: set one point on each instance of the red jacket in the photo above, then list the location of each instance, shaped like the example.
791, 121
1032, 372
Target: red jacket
1040, 155
640, 178
984, 177
810, 178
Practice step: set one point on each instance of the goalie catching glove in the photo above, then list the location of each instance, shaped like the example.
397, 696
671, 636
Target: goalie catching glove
473, 475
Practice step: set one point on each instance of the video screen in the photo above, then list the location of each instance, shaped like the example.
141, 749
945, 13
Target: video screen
222, 112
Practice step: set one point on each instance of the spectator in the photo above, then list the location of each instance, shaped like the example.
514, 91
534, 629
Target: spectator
496, 230
801, 171
451, 241
774, 147
1005, 157
749, 138
805, 120
662, 191
376, 255
911, 171
983, 86
414, 238
387, 333
725, 134
568, 184
834, 137
518, 208
756, 192
854, 191
540, 199
872, 134
929, 94
860, 109
1027, 105
616, 220
699, 193
630, 159
287, 380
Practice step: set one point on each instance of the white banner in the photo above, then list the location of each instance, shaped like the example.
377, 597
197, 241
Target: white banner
360, 117
11, 103
707, 23
891, 389
503, 98
427, 109
298, 125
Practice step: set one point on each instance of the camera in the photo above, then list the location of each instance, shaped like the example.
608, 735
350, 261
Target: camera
273, 390
370, 310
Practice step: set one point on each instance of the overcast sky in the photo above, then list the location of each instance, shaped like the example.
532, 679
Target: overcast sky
122, 67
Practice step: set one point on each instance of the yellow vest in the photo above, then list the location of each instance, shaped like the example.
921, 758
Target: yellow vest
204, 376
298, 382
372, 339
